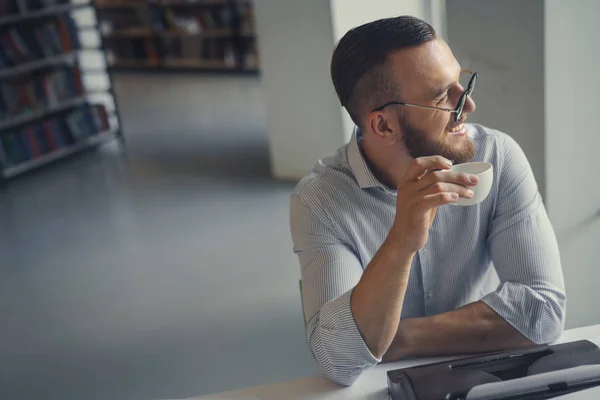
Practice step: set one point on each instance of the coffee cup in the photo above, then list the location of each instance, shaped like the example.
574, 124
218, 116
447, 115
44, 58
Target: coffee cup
485, 172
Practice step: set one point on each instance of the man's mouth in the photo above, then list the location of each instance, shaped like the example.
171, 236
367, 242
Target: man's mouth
458, 130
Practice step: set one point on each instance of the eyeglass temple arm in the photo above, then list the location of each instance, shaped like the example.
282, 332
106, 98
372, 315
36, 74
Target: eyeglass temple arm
430, 107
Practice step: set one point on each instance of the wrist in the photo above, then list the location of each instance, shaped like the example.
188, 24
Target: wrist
403, 336
401, 347
400, 246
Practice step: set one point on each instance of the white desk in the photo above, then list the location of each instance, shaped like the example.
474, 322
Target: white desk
372, 384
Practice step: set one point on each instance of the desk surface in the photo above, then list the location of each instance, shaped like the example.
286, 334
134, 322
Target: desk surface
372, 384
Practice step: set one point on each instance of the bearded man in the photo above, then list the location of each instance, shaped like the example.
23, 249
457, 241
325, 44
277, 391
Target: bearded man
389, 268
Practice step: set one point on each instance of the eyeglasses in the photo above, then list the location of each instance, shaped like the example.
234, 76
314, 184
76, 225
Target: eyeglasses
459, 106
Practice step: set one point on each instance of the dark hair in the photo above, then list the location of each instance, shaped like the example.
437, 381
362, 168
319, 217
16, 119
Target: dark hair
358, 65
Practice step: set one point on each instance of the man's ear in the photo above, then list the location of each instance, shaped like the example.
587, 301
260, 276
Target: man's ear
383, 127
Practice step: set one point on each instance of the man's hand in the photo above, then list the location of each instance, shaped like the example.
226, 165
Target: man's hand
420, 192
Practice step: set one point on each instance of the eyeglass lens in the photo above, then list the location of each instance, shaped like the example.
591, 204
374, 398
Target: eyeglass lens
467, 81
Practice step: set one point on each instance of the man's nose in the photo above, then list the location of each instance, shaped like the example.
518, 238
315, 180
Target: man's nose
469, 105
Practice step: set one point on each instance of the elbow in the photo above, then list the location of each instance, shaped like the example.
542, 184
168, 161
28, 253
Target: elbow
551, 322
340, 375
337, 345
342, 372
340, 364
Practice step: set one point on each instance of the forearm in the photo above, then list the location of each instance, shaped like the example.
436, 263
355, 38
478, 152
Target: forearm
469, 329
377, 299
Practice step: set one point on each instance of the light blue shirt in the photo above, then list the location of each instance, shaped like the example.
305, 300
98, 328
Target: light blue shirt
502, 251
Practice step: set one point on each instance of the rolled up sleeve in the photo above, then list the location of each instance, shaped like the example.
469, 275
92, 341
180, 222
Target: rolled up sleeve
330, 271
531, 295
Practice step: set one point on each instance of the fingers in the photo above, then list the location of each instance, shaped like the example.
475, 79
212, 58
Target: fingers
421, 165
437, 200
457, 178
445, 187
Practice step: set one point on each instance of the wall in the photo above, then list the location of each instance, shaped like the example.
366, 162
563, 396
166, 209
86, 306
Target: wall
296, 40
572, 56
503, 41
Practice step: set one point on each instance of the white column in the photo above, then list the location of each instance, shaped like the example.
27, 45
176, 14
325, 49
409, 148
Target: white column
572, 100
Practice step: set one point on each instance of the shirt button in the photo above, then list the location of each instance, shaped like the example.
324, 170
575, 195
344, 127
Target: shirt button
424, 252
429, 295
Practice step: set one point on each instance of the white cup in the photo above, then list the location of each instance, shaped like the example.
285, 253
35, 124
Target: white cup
485, 172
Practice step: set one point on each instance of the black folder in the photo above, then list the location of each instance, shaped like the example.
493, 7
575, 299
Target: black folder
465, 378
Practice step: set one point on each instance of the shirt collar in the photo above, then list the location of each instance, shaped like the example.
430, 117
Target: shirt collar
358, 165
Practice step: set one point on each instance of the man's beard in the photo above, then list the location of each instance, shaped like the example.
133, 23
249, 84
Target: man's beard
419, 143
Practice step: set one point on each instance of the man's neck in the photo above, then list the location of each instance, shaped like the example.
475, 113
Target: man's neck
387, 167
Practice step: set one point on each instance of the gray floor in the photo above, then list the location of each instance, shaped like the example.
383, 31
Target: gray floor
165, 271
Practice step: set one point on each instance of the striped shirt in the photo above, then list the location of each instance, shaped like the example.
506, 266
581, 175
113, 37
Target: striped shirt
502, 251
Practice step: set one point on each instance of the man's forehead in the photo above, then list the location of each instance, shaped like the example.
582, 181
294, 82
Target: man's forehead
429, 65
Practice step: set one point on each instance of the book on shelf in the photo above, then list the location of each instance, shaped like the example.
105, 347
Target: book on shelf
246, 15
3, 155
191, 47
82, 123
22, 44
156, 18
150, 50
167, 19
35, 140
173, 48
32, 143
209, 20
212, 18
68, 34
210, 50
226, 16
229, 55
251, 60
44, 145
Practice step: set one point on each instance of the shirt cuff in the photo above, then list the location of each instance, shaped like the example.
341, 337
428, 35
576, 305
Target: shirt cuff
346, 346
520, 306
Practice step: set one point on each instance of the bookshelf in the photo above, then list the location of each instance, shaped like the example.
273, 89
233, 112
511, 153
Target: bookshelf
56, 91
56, 8
190, 35
94, 140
